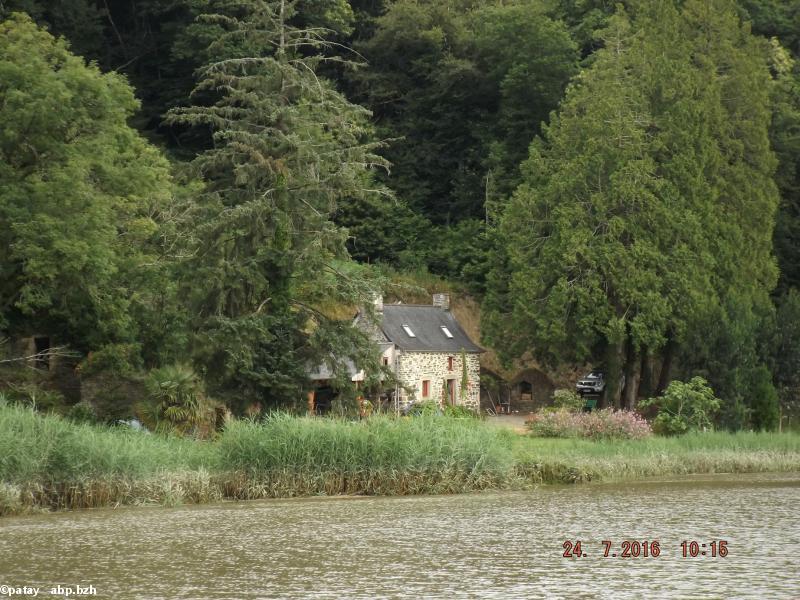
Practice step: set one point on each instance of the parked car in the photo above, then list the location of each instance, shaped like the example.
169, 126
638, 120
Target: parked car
593, 383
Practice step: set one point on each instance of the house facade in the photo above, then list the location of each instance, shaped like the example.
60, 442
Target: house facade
427, 350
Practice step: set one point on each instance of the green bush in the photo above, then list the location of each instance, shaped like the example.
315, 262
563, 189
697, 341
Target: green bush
424, 409
684, 407
460, 412
82, 412
567, 400
37, 396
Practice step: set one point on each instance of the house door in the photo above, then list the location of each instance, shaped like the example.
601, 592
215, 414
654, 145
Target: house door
451, 392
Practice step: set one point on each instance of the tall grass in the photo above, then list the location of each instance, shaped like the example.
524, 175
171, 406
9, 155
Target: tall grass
575, 460
50, 462
47, 461
382, 455
35, 446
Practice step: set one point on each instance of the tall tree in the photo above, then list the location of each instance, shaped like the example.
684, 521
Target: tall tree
785, 140
650, 196
80, 196
288, 148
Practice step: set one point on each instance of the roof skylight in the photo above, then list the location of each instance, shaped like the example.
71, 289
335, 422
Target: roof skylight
446, 331
407, 329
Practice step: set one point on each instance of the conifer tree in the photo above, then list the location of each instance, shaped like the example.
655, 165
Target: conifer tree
287, 149
650, 198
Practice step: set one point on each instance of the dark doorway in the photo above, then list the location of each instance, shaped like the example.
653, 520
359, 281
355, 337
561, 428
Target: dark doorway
323, 400
42, 345
525, 392
451, 392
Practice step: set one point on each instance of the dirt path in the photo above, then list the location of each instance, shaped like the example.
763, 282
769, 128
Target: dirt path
515, 422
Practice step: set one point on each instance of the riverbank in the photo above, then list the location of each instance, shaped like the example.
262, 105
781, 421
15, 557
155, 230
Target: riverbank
547, 460
47, 462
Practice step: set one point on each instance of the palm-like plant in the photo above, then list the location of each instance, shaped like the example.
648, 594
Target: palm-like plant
176, 402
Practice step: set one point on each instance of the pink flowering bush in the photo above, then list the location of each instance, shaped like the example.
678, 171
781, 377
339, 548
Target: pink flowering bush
596, 425
555, 423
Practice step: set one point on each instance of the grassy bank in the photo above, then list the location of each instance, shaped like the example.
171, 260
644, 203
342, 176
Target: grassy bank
46, 461
49, 462
547, 460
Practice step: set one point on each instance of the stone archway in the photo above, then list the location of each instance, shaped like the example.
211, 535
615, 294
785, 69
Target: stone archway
531, 389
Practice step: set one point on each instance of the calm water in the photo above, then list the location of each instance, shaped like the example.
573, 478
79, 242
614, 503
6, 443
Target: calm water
503, 545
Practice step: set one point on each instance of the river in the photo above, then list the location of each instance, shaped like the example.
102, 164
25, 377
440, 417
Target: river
493, 545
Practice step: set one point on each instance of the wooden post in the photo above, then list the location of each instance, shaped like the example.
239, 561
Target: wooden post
312, 403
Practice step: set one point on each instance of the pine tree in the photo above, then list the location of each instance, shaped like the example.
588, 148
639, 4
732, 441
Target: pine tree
288, 148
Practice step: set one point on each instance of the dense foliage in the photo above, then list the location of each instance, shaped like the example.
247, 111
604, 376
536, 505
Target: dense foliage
81, 195
640, 199
684, 407
209, 182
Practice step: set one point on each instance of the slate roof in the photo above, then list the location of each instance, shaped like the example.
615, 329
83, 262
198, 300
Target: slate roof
324, 371
426, 323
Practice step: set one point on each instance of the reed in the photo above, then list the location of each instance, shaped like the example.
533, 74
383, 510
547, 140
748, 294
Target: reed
35, 446
381, 455
47, 462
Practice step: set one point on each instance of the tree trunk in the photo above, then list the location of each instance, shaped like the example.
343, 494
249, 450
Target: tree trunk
648, 374
666, 366
632, 375
613, 371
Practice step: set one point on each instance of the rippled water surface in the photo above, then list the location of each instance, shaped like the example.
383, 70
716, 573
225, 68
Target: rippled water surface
499, 545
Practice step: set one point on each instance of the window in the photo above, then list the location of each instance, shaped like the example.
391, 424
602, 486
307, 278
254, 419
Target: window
446, 332
426, 388
407, 329
385, 361
449, 363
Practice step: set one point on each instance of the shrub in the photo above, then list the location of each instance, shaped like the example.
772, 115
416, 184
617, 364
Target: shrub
82, 412
460, 412
423, 409
36, 396
611, 424
556, 423
684, 407
597, 425
568, 400
177, 403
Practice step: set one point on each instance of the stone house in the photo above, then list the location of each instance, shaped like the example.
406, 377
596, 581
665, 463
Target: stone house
424, 345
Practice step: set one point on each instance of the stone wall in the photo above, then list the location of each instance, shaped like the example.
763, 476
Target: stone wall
113, 396
412, 368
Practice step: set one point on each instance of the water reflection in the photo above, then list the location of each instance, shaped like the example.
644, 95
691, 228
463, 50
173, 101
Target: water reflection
505, 545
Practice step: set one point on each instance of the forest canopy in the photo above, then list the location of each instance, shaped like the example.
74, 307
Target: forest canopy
215, 184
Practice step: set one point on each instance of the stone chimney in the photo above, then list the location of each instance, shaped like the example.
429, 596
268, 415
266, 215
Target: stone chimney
377, 303
442, 301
